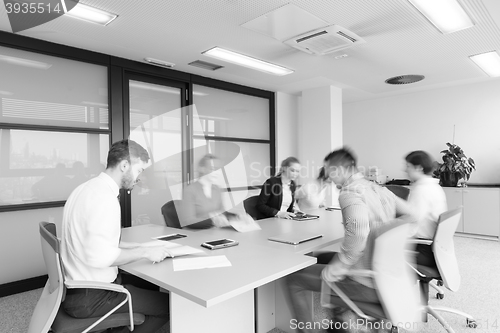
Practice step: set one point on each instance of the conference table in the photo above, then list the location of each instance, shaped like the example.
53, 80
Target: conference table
245, 297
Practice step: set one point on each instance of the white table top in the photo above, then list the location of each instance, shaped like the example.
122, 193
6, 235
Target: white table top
255, 261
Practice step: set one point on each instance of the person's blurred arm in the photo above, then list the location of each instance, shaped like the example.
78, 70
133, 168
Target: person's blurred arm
356, 230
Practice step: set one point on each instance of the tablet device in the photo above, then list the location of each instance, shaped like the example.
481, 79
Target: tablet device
299, 216
169, 237
294, 238
219, 244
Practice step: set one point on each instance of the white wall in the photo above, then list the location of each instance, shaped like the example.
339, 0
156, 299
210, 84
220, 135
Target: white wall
21, 254
382, 131
286, 126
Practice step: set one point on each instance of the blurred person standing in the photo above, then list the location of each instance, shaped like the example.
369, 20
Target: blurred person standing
427, 201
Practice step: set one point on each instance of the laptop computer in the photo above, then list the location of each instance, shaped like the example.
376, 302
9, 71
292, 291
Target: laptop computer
295, 238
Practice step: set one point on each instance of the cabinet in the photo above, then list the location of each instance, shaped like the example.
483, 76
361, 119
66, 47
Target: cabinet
481, 209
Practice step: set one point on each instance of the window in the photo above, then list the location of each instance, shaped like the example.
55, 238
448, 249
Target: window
235, 127
54, 126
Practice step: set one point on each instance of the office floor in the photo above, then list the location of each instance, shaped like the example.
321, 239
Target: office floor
479, 294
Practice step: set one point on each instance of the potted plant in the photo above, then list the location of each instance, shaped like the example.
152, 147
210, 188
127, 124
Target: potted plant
455, 166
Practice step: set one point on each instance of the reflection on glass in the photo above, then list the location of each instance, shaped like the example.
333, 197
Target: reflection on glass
155, 123
250, 169
229, 114
39, 166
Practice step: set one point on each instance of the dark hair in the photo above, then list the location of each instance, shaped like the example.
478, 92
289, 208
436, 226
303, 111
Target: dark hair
341, 157
322, 175
286, 163
205, 159
421, 158
124, 150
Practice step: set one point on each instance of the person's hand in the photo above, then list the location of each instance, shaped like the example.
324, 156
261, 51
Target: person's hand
285, 215
334, 271
156, 253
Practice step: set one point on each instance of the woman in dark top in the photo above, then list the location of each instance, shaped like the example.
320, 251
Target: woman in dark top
278, 193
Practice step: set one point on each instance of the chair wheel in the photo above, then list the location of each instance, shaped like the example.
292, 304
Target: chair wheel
439, 296
440, 283
471, 323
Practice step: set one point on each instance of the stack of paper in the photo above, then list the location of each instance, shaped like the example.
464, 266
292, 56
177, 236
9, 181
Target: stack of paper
174, 249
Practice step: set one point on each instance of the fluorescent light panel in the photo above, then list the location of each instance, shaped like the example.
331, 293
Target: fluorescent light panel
446, 15
489, 62
246, 61
91, 14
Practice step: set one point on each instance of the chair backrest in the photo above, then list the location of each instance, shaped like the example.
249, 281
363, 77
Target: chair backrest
393, 279
250, 205
50, 300
170, 215
400, 191
444, 248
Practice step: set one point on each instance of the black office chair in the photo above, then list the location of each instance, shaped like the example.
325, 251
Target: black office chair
250, 205
446, 268
400, 191
170, 215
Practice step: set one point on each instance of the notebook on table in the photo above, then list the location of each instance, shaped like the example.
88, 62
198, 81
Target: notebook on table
295, 238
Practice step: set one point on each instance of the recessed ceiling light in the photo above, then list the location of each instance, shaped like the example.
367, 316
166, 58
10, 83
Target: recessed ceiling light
341, 56
24, 62
246, 61
446, 15
160, 63
489, 62
91, 14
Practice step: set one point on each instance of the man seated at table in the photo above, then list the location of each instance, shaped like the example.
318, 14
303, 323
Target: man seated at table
202, 205
365, 206
91, 249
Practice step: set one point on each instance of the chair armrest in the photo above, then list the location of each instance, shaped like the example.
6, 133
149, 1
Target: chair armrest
361, 272
416, 271
420, 241
74, 284
344, 298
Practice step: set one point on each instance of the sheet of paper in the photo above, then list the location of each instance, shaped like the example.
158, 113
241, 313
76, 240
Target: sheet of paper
174, 248
245, 224
166, 244
200, 263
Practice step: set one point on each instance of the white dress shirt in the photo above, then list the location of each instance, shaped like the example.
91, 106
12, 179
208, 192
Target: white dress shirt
427, 200
91, 230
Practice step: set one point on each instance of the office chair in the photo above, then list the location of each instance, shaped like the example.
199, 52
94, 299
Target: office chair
250, 205
447, 267
170, 215
400, 191
49, 315
394, 281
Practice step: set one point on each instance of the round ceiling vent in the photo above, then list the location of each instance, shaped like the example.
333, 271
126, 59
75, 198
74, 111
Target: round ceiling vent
404, 79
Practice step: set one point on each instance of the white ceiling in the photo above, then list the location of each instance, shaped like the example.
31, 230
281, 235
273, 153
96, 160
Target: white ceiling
398, 39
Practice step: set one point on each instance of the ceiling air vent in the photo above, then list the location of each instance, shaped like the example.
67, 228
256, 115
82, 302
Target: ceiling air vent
404, 79
325, 40
205, 65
